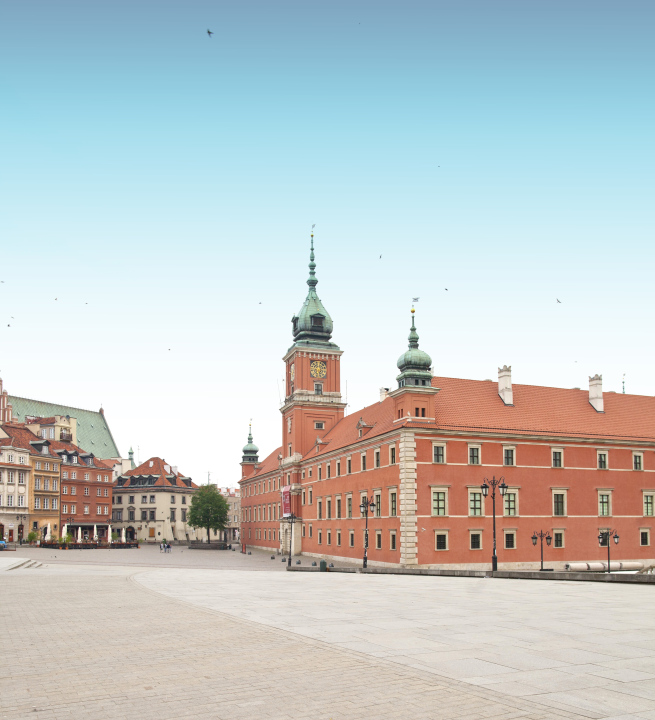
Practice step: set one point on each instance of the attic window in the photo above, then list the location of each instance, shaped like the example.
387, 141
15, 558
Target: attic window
319, 426
317, 321
150, 464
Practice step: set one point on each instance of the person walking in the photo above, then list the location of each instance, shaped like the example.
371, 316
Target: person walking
161, 547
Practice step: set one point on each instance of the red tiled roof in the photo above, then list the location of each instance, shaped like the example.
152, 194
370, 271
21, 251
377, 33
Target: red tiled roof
475, 405
270, 464
166, 478
20, 436
40, 421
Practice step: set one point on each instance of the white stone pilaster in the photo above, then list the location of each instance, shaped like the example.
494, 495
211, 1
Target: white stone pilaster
407, 500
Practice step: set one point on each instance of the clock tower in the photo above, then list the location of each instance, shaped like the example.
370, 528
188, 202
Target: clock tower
312, 404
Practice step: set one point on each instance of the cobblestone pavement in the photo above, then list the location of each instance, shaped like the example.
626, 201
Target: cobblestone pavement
91, 642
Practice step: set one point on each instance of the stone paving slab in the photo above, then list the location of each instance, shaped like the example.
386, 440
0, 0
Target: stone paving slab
583, 648
86, 642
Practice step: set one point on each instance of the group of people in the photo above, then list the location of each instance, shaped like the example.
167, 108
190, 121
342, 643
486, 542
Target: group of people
164, 547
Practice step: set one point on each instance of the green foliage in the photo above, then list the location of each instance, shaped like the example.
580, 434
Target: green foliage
209, 510
32, 536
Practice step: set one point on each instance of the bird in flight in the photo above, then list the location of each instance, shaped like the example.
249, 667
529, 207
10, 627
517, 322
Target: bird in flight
415, 299
558, 300
209, 32
446, 289
380, 257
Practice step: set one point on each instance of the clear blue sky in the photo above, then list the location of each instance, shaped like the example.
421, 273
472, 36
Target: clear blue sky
502, 150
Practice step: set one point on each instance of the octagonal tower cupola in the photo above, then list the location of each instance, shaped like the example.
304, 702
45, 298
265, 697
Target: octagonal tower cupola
414, 364
250, 450
313, 324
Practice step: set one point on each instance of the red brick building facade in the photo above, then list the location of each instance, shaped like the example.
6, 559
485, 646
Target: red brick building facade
575, 463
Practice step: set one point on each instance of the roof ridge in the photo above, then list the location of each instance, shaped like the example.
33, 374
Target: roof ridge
47, 402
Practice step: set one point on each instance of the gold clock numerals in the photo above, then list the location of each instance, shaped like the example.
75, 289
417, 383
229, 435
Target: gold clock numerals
318, 369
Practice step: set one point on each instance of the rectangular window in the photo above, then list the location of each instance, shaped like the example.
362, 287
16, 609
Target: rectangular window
172, 515
310, 496
304, 496
328, 508
64, 508
38, 466
144, 498
637, 461
603, 504
86, 509
73, 509
54, 503
644, 538
152, 498
476, 541
338, 468
351, 539
439, 454
73, 490
339, 508
86, 476
558, 539
338, 537
37, 503
21, 478
557, 458
64, 489
46, 503
439, 502
474, 455
378, 540
87, 491
329, 537
559, 505
349, 466
510, 541
475, 503
172, 499
144, 514
363, 462
510, 504
46, 484
393, 510
320, 472
310, 531
441, 541
392, 540
329, 470
21, 501
319, 426
349, 507
508, 456
320, 537
37, 483
392, 455
378, 505
649, 501
151, 514
318, 388
602, 461
99, 492
320, 509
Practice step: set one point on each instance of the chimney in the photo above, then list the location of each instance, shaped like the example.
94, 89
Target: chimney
383, 394
505, 384
596, 393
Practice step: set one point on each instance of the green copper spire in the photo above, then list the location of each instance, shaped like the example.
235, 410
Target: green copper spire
250, 450
312, 326
414, 364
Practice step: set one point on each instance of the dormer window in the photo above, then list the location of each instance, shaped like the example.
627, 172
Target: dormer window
74, 460
317, 321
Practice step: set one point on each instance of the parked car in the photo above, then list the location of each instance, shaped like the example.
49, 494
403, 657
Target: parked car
3, 544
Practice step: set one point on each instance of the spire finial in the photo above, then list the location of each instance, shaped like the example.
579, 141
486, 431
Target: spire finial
312, 281
250, 431
413, 335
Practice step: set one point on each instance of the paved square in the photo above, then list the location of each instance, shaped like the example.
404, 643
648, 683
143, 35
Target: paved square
135, 634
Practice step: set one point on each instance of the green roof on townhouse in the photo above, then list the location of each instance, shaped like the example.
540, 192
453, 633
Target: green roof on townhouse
93, 433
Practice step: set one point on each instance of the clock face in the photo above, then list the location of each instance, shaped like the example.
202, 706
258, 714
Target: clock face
318, 369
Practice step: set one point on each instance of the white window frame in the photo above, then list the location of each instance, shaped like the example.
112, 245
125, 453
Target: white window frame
468, 453
559, 491
605, 491
506, 532
562, 532
607, 459
513, 449
444, 489
477, 490
640, 455
553, 450
645, 494
647, 531
394, 460
441, 531
513, 491
476, 532
439, 445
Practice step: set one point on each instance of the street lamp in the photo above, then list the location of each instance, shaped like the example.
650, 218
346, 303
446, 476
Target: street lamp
604, 536
291, 519
364, 507
500, 484
540, 536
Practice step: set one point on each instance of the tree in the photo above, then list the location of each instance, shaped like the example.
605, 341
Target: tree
209, 509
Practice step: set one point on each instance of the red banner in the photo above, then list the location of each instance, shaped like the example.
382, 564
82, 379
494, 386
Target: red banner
286, 501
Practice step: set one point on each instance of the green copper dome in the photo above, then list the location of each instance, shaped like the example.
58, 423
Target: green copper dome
250, 450
313, 323
414, 364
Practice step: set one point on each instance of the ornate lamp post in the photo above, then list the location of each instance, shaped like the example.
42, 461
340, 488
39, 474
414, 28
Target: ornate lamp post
364, 507
604, 536
540, 536
502, 488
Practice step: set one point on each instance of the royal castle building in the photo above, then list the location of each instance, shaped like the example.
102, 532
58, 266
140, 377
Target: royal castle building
572, 463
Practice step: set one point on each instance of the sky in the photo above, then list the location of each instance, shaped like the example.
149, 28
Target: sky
158, 187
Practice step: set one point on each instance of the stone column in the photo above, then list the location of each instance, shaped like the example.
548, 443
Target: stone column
407, 499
